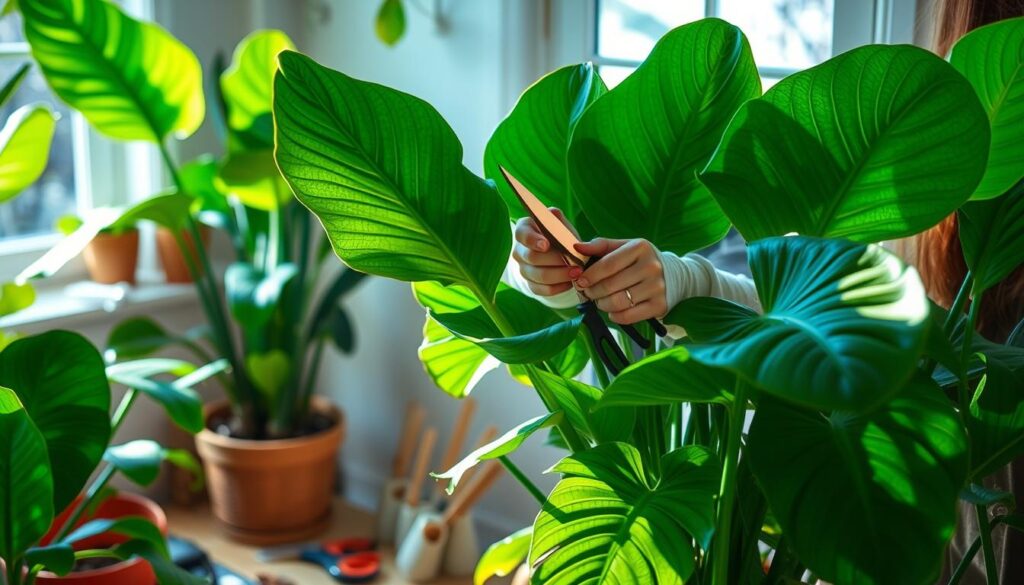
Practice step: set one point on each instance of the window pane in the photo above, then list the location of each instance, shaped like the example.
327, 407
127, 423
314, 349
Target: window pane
613, 75
628, 29
53, 195
10, 29
791, 34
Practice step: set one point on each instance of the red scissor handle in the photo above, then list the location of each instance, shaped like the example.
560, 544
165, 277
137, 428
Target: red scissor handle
346, 546
359, 566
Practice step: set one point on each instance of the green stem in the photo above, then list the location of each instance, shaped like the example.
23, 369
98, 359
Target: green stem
957, 308
517, 473
727, 491
87, 501
595, 361
965, 356
13, 571
122, 409
986, 544
961, 568
274, 243
311, 376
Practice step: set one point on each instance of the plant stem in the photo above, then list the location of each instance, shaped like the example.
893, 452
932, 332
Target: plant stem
13, 571
957, 308
122, 409
94, 490
727, 492
311, 375
517, 473
986, 544
965, 356
965, 562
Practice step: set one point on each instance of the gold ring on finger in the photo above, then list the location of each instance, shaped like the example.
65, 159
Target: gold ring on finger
629, 297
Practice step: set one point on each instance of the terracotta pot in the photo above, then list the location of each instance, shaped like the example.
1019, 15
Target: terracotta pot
111, 258
175, 268
267, 492
132, 572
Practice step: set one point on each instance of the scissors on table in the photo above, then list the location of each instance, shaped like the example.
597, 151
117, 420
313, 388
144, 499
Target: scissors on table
349, 560
564, 242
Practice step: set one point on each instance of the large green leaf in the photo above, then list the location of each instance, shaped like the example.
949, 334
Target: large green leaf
26, 484
503, 557
499, 447
577, 400
635, 153
454, 364
541, 333
60, 378
992, 235
996, 418
668, 377
25, 147
608, 522
132, 80
878, 143
843, 323
992, 59
532, 142
383, 172
869, 498
247, 85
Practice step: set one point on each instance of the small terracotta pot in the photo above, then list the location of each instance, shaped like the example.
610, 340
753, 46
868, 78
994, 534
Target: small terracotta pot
112, 258
175, 268
268, 492
131, 572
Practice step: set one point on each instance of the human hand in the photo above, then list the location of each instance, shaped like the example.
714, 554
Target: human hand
545, 270
628, 282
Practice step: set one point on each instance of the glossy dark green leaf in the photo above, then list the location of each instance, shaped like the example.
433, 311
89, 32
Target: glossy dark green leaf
26, 482
864, 498
992, 235
340, 287
137, 337
182, 404
503, 445
607, 522
532, 141
635, 153
132, 80
992, 58
25, 147
342, 332
668, 377
252, 294
878, 143
56, 558
996, 420
577, 400
269, 372
842, 328
503, 557
14, 81
60, 378
390, 23
383, 172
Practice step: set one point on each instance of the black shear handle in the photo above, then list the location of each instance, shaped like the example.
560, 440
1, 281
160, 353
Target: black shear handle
656, 325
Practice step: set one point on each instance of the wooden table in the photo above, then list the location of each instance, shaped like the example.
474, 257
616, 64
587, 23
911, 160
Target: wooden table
198, 524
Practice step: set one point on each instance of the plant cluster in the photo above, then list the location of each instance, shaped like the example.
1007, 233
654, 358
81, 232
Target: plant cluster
871, 412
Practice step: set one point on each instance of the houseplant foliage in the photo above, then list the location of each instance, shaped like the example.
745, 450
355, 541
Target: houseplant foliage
838, 373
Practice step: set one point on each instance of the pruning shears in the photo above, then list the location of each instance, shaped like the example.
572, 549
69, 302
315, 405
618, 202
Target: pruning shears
564, 242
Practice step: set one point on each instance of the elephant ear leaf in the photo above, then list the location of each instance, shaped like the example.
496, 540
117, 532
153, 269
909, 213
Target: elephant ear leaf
25, 147
247, 85
60, 378
992, 59
992, 235
532, 142
132, 80
606, 522
383, 172
843, 323
876, 144
26, 481
635, 153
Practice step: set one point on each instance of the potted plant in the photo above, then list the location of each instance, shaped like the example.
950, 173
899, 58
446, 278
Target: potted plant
273, 318
112, 254
55, 417
855, 458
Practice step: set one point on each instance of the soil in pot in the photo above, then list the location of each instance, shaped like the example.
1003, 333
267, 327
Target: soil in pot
175, 268
111, 258
266, 492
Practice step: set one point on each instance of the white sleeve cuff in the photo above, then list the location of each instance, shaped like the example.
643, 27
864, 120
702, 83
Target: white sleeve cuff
695, 276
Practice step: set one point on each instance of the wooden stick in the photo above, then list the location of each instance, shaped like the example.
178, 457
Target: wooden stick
412, 493
415, 414
489, 434
451, 455
469, 495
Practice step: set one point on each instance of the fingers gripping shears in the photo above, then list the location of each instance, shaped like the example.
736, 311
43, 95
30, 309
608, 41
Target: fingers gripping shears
564, 242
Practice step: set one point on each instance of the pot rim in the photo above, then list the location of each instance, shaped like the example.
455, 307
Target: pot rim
208, 436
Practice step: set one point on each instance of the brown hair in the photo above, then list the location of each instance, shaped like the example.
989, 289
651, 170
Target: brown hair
940, 259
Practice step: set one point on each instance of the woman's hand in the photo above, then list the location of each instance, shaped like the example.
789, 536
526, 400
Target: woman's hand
628, 282
544, 270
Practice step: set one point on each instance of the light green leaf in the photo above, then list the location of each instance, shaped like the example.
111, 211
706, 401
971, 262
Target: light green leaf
996, 418
992, 235
577, 400
668, 377
635, 153
247, 84
390, 24
25, 147
532, 142
15, 297
843, 323
26, 482
896, 471
503, 557
991, 57
56, 558
252, 177
503, 445
132, 80
876, 144
60, 378
454, 364
140, 460
383, 172
269, 371
607, 522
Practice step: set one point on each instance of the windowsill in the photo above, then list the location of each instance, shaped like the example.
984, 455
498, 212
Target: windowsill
82, 302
